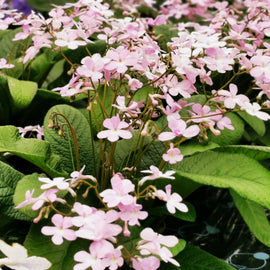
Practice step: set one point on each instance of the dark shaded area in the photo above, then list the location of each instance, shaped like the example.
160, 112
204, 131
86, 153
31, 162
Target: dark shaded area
220, 230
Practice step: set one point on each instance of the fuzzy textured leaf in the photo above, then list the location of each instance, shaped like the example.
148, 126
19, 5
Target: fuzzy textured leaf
33, 150
9, 177
244, 175
22, 92
64, 146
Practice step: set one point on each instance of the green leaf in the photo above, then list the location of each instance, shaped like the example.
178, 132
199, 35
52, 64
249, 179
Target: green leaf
22, 92
47, 5
253, 151
244, 175
193, 258
64, 146
256, 123
35, 151
9, 177
254, 216
190, 148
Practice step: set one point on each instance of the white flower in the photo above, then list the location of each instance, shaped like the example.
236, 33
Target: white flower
17, 258
254, 109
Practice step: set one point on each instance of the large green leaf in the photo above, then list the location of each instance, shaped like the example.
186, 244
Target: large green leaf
9, 177
35, 151
22, 92
244, 175
254, 151
254, 216
193, 258
256, 123
64, 146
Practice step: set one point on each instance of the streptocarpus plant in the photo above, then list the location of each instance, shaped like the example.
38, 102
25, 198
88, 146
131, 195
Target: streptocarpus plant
148, 110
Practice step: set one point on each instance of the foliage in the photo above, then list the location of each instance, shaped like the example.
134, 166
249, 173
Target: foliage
118, 112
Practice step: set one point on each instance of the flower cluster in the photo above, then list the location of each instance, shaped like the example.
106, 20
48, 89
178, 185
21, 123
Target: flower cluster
148, 93
101, 227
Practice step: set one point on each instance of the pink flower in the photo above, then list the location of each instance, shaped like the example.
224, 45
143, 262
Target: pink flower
116, 129
60, 230
178, 128
156, 244
98, 226
119, 192
120, 58
231, 98
4, 64
173, 201
261, 67
155, 173
173, 155
132, 213
95, 258
76, 175
148, 263
254, 109
92, 67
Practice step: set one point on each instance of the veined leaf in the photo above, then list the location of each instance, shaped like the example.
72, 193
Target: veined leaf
33, 150
193, 258
256, 123
253, 151
65, 146
244, 175
254, 216
22, 92
9, 177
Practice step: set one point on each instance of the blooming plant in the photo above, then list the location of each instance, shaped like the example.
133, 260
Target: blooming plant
113, 112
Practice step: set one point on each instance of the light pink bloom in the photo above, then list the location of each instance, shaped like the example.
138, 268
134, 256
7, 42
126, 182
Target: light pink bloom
37, 128
69, 38
261, 67
76, 175
4, 64
155, 173
99, 226
95, 258
148, 263
119, 192
116, 129
121, 59
60, 230
59, 182
84, 214
231, 98
156, 244
178, 128
254, 109
132, 213
133, 107
173, 155
46, 196
91, 67
173, 201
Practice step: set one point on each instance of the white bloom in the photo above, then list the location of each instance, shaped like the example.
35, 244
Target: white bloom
17, 258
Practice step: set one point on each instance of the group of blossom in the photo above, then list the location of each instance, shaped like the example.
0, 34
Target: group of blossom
229, 41
101, 227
